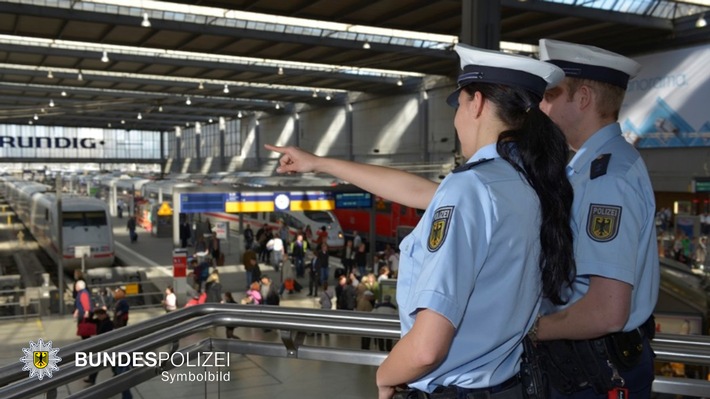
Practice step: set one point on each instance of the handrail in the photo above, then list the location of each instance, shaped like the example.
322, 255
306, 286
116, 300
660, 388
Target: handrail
263, 316
293, 324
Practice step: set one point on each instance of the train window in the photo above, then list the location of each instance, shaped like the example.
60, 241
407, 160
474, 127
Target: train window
97, 218
82, 219
319, 217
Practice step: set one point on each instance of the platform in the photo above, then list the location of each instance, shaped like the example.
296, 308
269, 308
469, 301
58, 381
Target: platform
251, 376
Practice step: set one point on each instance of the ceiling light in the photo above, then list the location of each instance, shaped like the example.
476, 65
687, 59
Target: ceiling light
139, 116
109, 124
201, 86
188, 102
239, 114
399, 82
35, 117
42, 110
281, 71
278, 106
366, 45
226, 89
50, 75
104, 57
51, 102
146, 21
160, 108
315, 94
328, 97
210, 120
123, 121
64, 93
701, 22
30, 122
79, 76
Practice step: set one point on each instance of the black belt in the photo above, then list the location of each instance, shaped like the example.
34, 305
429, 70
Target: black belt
493, 392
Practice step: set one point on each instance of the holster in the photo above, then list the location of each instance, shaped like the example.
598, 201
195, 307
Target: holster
532, 377
573, 365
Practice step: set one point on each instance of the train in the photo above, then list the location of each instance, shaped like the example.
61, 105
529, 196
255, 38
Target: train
85, 223
393, 221
295, 221
147, 195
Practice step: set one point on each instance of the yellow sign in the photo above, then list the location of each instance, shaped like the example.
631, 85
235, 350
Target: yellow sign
132, 289
165, 210
249, 206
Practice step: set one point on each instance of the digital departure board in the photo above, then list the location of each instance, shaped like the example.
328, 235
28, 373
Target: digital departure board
353, 200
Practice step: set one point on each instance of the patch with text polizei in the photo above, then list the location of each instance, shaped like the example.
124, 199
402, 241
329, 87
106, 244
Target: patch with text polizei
439, 227
603, 222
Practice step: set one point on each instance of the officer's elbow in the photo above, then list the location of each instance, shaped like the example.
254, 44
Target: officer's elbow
429, 358
614, 319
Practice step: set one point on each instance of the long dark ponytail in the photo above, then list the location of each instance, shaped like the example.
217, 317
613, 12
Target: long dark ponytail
537, 149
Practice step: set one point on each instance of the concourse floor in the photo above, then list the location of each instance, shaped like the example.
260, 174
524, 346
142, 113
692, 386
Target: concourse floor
251, 376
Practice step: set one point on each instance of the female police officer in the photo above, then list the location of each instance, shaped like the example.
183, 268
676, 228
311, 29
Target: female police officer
495, 234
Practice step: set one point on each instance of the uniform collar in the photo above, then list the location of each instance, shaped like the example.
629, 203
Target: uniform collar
487, 151
591, 147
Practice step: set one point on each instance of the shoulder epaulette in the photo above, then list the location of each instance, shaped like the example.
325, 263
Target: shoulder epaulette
599, 166
470, 165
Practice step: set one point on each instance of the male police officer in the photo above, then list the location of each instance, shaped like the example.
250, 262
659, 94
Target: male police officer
616, 285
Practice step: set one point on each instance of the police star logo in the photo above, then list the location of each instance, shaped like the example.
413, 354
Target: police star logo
439, 227
603, 222
40, 359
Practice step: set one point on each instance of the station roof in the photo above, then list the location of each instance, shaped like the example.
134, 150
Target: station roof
230, 58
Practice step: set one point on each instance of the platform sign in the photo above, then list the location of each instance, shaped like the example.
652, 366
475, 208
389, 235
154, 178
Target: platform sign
165, 210
202, 202
180, 263
245, 202
250, 202
312, 201
701, 185
220, 230
353, 200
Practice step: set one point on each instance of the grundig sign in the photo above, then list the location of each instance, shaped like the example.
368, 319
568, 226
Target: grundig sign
48, 142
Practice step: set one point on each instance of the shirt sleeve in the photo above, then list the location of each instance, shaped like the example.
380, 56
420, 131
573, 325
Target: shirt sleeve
610, 223
454, 244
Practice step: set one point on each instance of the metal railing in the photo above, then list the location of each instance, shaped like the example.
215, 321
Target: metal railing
293, 324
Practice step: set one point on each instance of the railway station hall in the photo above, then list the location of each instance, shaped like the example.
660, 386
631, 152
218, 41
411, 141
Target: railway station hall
500, 199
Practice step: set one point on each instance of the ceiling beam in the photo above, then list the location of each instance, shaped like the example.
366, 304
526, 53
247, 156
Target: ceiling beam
643, 21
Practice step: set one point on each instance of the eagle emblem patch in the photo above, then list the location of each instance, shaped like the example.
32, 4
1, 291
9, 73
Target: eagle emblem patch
40, 359
439, 227
603, 222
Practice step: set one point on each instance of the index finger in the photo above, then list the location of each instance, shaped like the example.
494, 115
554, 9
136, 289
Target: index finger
274, 148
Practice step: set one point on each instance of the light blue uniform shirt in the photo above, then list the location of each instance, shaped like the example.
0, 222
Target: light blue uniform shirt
613, 221
473, 258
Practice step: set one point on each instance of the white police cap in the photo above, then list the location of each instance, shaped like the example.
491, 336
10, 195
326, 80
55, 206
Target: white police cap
589, 62
488, 66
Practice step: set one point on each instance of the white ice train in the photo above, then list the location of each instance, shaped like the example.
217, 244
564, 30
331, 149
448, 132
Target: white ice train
85, 222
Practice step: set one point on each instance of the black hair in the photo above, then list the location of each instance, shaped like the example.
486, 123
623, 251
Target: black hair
537, 149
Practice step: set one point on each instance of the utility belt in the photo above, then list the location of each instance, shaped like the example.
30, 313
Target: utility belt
510, 389
571, 366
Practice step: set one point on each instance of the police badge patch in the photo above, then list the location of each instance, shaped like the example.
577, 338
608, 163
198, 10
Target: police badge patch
603, 222
439, 227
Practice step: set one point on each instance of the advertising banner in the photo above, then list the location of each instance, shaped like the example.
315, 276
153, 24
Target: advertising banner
667, 104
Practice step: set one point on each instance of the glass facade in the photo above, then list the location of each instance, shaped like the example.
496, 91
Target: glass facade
48, 142
207, 140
